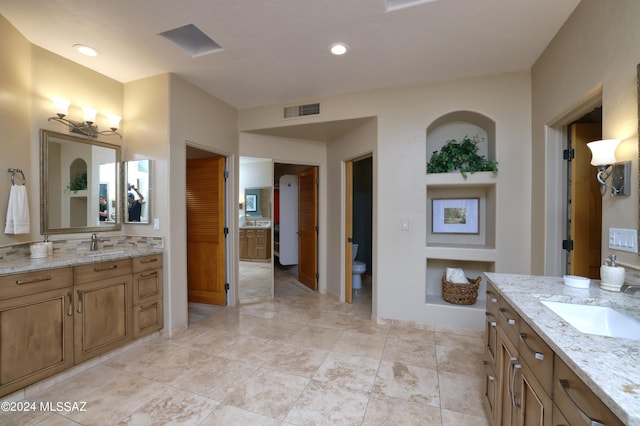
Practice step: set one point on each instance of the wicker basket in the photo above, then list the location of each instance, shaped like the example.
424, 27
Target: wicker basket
460, 294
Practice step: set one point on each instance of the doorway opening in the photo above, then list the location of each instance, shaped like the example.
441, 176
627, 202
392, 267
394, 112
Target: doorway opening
583, 206
207, 247
359, 230
295, 234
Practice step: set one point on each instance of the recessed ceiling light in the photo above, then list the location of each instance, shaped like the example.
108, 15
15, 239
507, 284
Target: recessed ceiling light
86, 50
338, 49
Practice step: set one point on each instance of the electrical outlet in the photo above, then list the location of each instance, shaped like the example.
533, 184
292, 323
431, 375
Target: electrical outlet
623, 239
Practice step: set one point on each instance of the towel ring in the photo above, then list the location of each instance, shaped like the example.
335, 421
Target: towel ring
13, 174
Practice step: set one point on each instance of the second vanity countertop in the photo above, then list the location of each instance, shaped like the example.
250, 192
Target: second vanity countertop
609, 366
24, 264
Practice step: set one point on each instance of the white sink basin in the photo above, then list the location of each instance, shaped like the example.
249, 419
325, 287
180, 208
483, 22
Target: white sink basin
600, 320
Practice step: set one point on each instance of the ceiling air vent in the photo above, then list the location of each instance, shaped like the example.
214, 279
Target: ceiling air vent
301, 110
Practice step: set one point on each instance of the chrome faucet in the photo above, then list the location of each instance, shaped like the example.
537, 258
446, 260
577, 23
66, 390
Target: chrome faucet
94, 242
633, 288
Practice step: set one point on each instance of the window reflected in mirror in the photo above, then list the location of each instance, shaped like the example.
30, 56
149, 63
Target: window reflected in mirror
138, 191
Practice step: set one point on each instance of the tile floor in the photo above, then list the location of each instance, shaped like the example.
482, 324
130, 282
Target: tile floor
300, 359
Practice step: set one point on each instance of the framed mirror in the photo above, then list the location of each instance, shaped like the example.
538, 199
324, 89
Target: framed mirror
257, 203
79, 184
138, 191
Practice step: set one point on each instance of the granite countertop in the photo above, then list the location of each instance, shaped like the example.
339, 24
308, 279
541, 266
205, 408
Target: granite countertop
609, 366
254, 227
22, 264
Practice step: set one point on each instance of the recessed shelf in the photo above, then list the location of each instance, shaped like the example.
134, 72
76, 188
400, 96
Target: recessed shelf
456, 179
458, 252
472, 269
437, 300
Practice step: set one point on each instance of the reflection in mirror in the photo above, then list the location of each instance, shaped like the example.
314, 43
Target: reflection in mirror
257, 203
79, 181
138, 202
255, 234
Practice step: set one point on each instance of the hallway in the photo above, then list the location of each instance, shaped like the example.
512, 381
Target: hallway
296, 360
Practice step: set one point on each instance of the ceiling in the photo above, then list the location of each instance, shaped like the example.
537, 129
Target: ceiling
277, 51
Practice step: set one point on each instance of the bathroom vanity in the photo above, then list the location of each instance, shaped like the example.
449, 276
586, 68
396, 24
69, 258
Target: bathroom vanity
541, 370
255, 243
63, 310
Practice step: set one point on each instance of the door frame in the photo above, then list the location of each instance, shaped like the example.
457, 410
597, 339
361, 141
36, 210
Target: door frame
555, 171
347, 229
229, 200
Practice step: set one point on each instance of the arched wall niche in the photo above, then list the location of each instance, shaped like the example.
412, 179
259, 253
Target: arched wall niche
458, 124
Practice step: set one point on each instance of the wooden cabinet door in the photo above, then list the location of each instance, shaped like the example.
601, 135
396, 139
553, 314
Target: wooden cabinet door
490, 389
261, 243
36, 332
251, 244
244, 254
534, 406
491, 338
102, 321
508, 368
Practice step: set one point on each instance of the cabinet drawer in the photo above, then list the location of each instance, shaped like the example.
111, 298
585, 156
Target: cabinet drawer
147, 263
509, 321
492, 300
577, 403
147, 318
100, 271
35, 282
147, 286
537, 355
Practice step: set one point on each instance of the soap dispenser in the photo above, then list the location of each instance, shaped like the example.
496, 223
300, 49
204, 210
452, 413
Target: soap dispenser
611, 276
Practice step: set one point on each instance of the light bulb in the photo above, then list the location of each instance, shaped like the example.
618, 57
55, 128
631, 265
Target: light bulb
89, 114
114, 121
60, 106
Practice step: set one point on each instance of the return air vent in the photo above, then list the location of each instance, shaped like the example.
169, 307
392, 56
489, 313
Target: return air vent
301, 110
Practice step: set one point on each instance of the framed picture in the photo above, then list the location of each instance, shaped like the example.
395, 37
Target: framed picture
455, 216
250, 199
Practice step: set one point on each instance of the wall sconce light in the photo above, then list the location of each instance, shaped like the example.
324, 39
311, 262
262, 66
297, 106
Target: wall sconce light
603, 156
86, 127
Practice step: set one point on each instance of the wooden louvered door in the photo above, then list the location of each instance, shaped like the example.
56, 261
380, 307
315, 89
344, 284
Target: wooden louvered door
586, 204
205, 230
308, 227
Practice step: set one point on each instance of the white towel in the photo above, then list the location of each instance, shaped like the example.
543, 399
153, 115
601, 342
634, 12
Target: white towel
18, 211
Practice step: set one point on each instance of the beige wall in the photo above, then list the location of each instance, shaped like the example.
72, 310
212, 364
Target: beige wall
160, 116
15, 114
31, 76
359, 142
400, 156
595, 52
200, 120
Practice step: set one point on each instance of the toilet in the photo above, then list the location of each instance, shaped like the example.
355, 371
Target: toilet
358, 268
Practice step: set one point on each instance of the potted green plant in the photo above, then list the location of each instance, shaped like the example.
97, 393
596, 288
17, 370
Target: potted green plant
79, 183
461, 156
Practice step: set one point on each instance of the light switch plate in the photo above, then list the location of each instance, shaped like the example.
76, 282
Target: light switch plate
156, 223
623, 239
